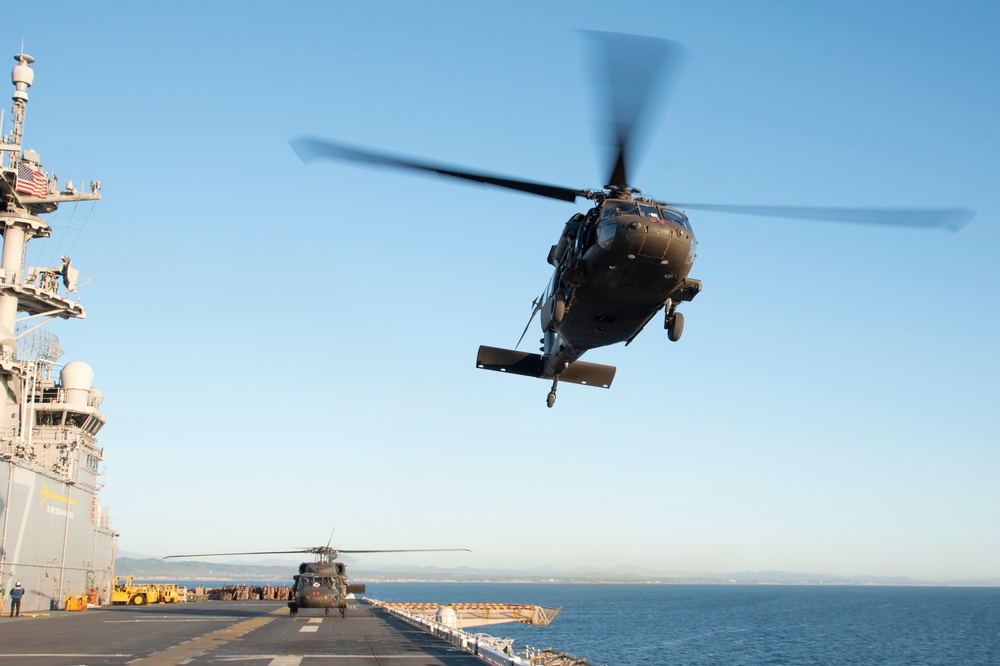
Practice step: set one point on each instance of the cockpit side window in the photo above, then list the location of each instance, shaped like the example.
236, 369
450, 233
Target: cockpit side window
676, 217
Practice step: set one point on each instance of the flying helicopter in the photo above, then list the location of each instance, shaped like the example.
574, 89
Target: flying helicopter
628, 257
322, 583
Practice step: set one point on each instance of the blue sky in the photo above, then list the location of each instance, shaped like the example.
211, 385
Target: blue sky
288, 349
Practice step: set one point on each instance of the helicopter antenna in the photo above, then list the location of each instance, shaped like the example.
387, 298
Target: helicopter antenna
536, 306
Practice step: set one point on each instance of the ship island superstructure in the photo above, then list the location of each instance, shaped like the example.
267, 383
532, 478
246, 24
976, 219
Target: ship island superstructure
55, 537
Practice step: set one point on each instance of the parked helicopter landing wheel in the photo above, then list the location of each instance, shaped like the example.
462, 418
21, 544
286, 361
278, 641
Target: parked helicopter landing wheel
676, 327
326, 611
343, 611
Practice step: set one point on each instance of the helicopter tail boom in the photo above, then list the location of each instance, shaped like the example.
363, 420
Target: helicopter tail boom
531, 365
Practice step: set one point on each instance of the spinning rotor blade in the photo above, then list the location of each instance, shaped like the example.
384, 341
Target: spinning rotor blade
410, 550
636, 69
308, 149
255, 552
951, 219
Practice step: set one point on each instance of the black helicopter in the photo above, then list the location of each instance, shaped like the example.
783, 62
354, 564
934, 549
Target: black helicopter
323, 582
627, 258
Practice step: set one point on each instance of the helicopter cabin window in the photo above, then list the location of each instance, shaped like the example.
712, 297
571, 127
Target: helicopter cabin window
606, 233
676, 217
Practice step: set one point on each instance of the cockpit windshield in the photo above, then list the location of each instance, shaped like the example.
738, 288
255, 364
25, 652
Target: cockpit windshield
618, 208
650, 211
615, 208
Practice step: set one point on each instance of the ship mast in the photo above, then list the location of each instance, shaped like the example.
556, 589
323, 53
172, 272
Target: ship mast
26, 192
48, 427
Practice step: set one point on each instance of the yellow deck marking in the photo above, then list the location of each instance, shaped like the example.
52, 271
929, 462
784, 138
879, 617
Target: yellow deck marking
179, 654
47, 495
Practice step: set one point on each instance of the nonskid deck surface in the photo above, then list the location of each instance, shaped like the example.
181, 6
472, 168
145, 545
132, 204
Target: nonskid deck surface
220, 632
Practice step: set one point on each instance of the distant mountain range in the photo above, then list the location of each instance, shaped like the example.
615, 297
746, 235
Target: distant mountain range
271, 571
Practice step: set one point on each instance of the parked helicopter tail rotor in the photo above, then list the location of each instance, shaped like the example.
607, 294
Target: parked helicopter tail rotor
631, 72
311, 148
951, 219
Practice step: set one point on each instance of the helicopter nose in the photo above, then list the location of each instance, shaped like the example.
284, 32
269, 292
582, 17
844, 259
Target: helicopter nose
655, 241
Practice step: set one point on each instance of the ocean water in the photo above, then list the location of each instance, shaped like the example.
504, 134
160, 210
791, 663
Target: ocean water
643, 625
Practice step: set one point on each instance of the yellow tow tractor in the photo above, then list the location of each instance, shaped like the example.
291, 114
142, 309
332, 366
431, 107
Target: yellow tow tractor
169, 593
124, 591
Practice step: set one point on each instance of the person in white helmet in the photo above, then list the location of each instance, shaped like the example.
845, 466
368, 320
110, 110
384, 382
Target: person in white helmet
15, 599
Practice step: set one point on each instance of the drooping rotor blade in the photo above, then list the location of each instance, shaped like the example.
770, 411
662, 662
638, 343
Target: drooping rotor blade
309, 148
410, 550
951, 219
636, 70
255, 552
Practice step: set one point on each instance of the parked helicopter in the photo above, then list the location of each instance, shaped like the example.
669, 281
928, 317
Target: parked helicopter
323, 582
628, 257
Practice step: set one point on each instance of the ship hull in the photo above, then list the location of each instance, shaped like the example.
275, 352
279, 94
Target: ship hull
53, 540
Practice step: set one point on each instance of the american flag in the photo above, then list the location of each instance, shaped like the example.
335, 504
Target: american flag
30, 181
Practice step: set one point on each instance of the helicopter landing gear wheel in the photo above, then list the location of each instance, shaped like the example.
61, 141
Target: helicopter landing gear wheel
675, 326
326, 611
343, 612
293, 609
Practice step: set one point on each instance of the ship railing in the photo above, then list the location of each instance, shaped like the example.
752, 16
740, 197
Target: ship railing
45, 279
28, 457
491, 649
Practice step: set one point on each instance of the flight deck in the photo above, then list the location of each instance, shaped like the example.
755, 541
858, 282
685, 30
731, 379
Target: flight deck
259, 633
